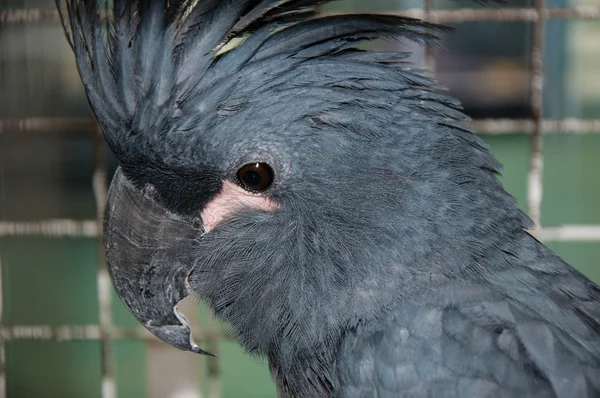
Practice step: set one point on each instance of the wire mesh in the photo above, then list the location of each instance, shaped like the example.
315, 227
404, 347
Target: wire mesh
105, 331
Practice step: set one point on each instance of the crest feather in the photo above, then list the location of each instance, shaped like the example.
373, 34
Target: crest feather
144, 62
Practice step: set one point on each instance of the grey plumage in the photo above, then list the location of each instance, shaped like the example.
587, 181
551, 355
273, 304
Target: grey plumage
396, 264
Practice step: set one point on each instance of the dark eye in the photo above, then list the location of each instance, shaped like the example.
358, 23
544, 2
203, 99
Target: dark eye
255, 177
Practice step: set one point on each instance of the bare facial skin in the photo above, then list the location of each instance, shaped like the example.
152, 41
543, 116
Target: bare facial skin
230, 201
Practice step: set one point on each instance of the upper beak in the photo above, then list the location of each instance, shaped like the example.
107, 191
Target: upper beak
147, 251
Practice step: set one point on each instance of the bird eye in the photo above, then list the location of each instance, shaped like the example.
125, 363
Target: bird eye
255, 177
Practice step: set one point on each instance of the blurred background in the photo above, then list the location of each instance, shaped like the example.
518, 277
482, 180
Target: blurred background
49, 168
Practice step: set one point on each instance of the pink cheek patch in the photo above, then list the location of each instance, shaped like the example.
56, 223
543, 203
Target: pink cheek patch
230, 201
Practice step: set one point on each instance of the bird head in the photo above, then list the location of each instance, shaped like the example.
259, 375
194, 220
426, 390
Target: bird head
297, 184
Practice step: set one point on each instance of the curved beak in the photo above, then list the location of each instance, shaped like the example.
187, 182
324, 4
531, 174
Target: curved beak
147, 251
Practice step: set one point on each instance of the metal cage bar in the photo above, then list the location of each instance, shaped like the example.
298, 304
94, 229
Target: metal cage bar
103, 280
64, 333
105, 331
85, 126
536, 162
438, 16
89, 229
2, 340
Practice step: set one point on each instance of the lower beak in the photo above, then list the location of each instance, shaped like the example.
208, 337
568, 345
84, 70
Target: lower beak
148, 256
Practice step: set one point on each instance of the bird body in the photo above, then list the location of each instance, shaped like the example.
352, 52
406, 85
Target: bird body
325, 201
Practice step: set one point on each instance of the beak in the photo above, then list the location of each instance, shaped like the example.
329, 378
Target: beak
147, 251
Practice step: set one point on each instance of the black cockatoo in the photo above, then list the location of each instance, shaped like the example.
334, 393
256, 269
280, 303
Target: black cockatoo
326, 201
